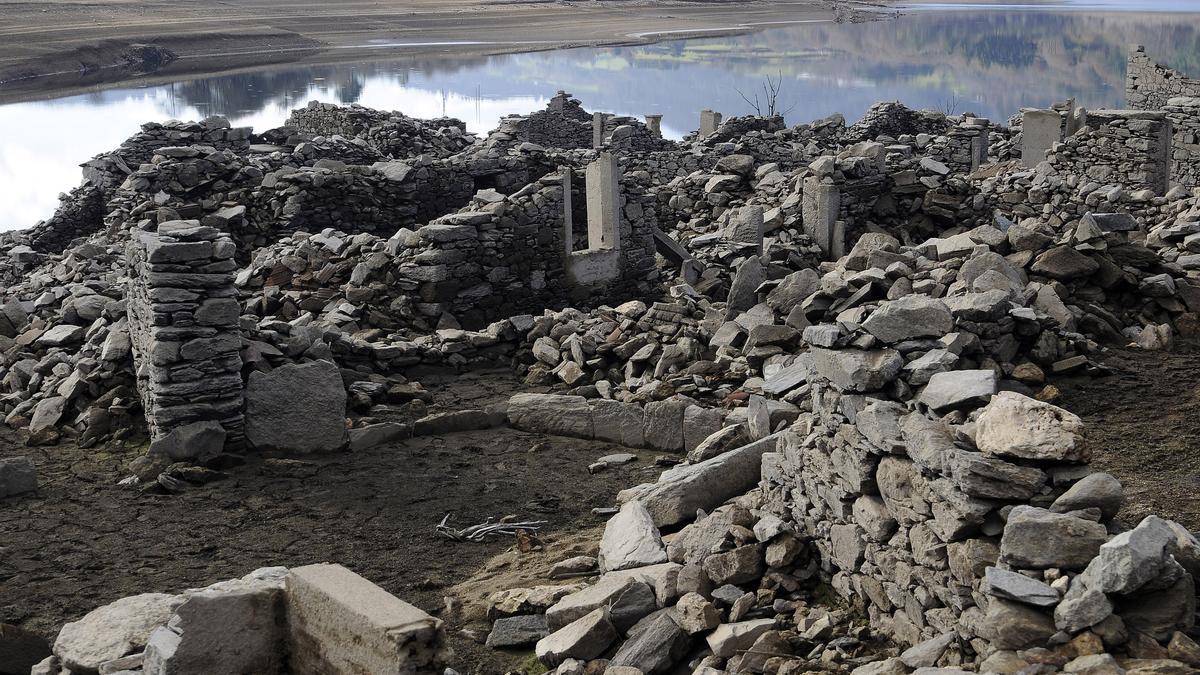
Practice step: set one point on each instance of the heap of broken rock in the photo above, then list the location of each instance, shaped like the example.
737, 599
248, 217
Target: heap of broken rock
845, 337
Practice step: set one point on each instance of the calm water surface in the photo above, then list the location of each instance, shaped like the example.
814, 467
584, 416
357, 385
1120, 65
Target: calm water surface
989, 60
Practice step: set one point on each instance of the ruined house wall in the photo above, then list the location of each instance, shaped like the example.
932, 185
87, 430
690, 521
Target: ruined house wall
964, 147
379, 199
1149, 86
1184, 114
79, 213
1124, 147
481, 265
183, 324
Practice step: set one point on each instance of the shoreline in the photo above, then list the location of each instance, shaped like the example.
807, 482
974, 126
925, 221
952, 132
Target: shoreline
123, 50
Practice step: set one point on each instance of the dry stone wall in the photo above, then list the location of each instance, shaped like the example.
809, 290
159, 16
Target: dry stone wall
1127, 147
1149, 86
393, 134
184, 326
1184, 114
497, 260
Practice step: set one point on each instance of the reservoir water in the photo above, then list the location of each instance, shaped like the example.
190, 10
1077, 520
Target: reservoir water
988, 59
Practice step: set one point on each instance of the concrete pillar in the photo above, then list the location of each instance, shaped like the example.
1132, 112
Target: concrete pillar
568, 219
604, 202
598, 130
1040, 129
654, 123
709, 121
746, 226
820, 206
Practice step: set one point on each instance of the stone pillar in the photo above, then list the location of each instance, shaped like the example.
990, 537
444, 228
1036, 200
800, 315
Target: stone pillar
559, 102
820, 206
979, 144
604, 202
1040, 129
746, 226
709, 121
568, 218
185, 332
598, 130
654, 123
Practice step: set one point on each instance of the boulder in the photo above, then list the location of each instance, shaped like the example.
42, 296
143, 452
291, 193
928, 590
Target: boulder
1012, 425
517, 631
553, 414
18, 475
631, 540
1098, 490
197, 442
112, 631
297, 408
653, 646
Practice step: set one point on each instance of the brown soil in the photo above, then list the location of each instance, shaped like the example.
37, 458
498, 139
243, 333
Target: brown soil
82, 541
54, 47
1143, 425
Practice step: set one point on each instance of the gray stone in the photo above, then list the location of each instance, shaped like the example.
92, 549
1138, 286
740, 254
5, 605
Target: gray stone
927, 653
1064, 263
958, 388
1099, 490
1132, 559
1081, 608
551, 414
18, 475
654, 645
1039, 539
1012, 625
628, 599
694, 614
112, 631
517, 631
61, 336
618, 422
730, 638
631, 540
739, 566
857, 370
911, 316
1018, 587
684, 489
297, 408
199, 442
743, 289
1012, 425
585, 638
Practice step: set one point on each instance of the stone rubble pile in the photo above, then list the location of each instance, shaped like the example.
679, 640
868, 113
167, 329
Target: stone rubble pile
847, 338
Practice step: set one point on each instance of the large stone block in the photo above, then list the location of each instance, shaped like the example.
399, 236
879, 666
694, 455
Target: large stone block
338, 622
554, 414
297, 408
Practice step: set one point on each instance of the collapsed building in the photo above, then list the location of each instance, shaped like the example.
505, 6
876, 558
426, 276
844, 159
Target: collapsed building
848, 334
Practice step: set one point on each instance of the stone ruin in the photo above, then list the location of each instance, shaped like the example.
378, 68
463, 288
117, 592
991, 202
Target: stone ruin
848, 336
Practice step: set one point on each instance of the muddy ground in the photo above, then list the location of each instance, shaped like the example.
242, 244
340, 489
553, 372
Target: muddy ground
1143, 426
82, 541
56, 47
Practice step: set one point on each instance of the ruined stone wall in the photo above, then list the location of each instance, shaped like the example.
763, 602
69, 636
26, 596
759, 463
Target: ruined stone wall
1125, 147
1149, 86
379, 198
1184, 114
964, 147
183, 323
563, 124
959, 529
509, 257
79, 214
